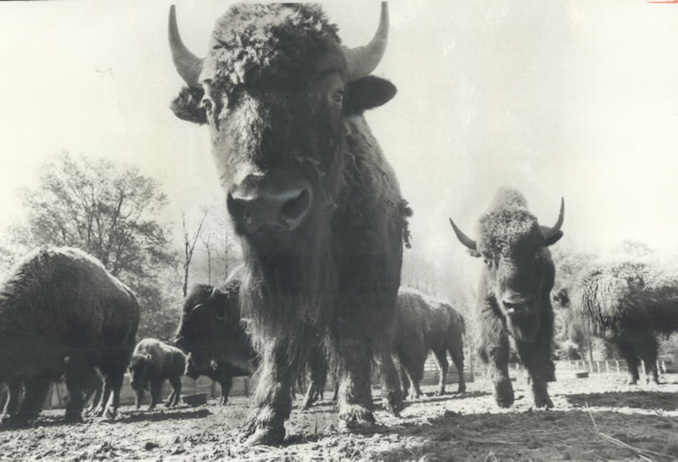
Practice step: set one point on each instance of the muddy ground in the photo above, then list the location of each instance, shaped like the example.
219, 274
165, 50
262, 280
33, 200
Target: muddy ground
597, 418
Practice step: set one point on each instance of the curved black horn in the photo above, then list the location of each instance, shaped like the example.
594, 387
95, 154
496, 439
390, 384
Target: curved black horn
463, 238
188, 65
213, 294
361, 61
559, 223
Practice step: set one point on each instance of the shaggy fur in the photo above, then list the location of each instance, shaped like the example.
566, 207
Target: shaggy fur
152, 363
282, 113
214, 335
425, 324
629, 303
514, 294
63, 313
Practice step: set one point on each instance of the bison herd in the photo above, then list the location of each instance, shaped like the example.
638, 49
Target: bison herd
321, 224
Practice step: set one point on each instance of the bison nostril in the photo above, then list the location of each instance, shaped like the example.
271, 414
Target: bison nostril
294, 209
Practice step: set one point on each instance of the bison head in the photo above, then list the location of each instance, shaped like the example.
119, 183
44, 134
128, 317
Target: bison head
275, 89
138, 370
519, 273
210, 317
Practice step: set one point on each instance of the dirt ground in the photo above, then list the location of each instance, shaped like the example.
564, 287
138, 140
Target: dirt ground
596, 418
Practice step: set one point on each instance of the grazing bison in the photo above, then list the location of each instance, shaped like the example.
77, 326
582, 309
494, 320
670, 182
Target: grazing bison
425, 324
63, 313
213, 334
627, 302
152, 363
314, 202
514, 292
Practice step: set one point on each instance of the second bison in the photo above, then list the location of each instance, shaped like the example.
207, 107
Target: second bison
152, 363
514, 294
424, 324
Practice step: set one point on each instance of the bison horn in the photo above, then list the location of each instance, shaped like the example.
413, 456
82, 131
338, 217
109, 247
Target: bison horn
213, 294
188, 65
463, 238
550, 232
361, 61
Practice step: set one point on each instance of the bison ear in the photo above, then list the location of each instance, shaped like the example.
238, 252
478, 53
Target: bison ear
187, 106
553, 238
473, 253
368, 93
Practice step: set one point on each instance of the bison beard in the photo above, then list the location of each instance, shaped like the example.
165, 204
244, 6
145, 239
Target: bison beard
425, 324
514, 292
629, 303
316, 205
63, 313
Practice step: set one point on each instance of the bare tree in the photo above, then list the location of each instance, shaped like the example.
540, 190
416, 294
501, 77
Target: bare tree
189, 246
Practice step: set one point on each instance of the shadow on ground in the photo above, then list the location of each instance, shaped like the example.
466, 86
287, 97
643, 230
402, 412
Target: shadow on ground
642, 399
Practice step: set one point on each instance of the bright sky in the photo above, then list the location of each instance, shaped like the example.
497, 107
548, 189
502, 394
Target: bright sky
571, 99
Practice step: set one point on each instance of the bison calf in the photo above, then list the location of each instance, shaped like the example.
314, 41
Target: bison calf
152, 363
64, 314
628, 303
425, 324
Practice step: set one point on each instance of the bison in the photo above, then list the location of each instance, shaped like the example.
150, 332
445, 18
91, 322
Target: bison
64, 314
514, 292
152, 363
629, 303
425, 324
213, 334
315, 205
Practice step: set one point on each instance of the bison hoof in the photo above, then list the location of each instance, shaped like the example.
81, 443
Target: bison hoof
73, 417
503, 393
543, 402
266, 436
356, 418
461, 389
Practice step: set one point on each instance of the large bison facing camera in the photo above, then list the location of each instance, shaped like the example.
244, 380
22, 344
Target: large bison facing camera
152, 363
629, 303
213, 334
61, 313
514, 293
314, 202
424, 324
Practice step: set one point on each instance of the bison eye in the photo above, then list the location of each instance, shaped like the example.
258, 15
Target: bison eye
488, 262
207, 104
338, 96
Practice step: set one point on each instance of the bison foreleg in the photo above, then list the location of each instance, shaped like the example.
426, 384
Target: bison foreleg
538, 366
226, 382
272, 398
36, 392
494, 351
355, 393
156, 389
12, 404
631, 356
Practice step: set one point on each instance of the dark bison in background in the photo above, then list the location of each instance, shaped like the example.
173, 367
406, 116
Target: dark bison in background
62, 314
152, 363
312, 198
213, 334
627, 302
424, 324
514, 293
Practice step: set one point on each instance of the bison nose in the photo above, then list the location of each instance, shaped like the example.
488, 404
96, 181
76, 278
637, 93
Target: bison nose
270, 211
516, 305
